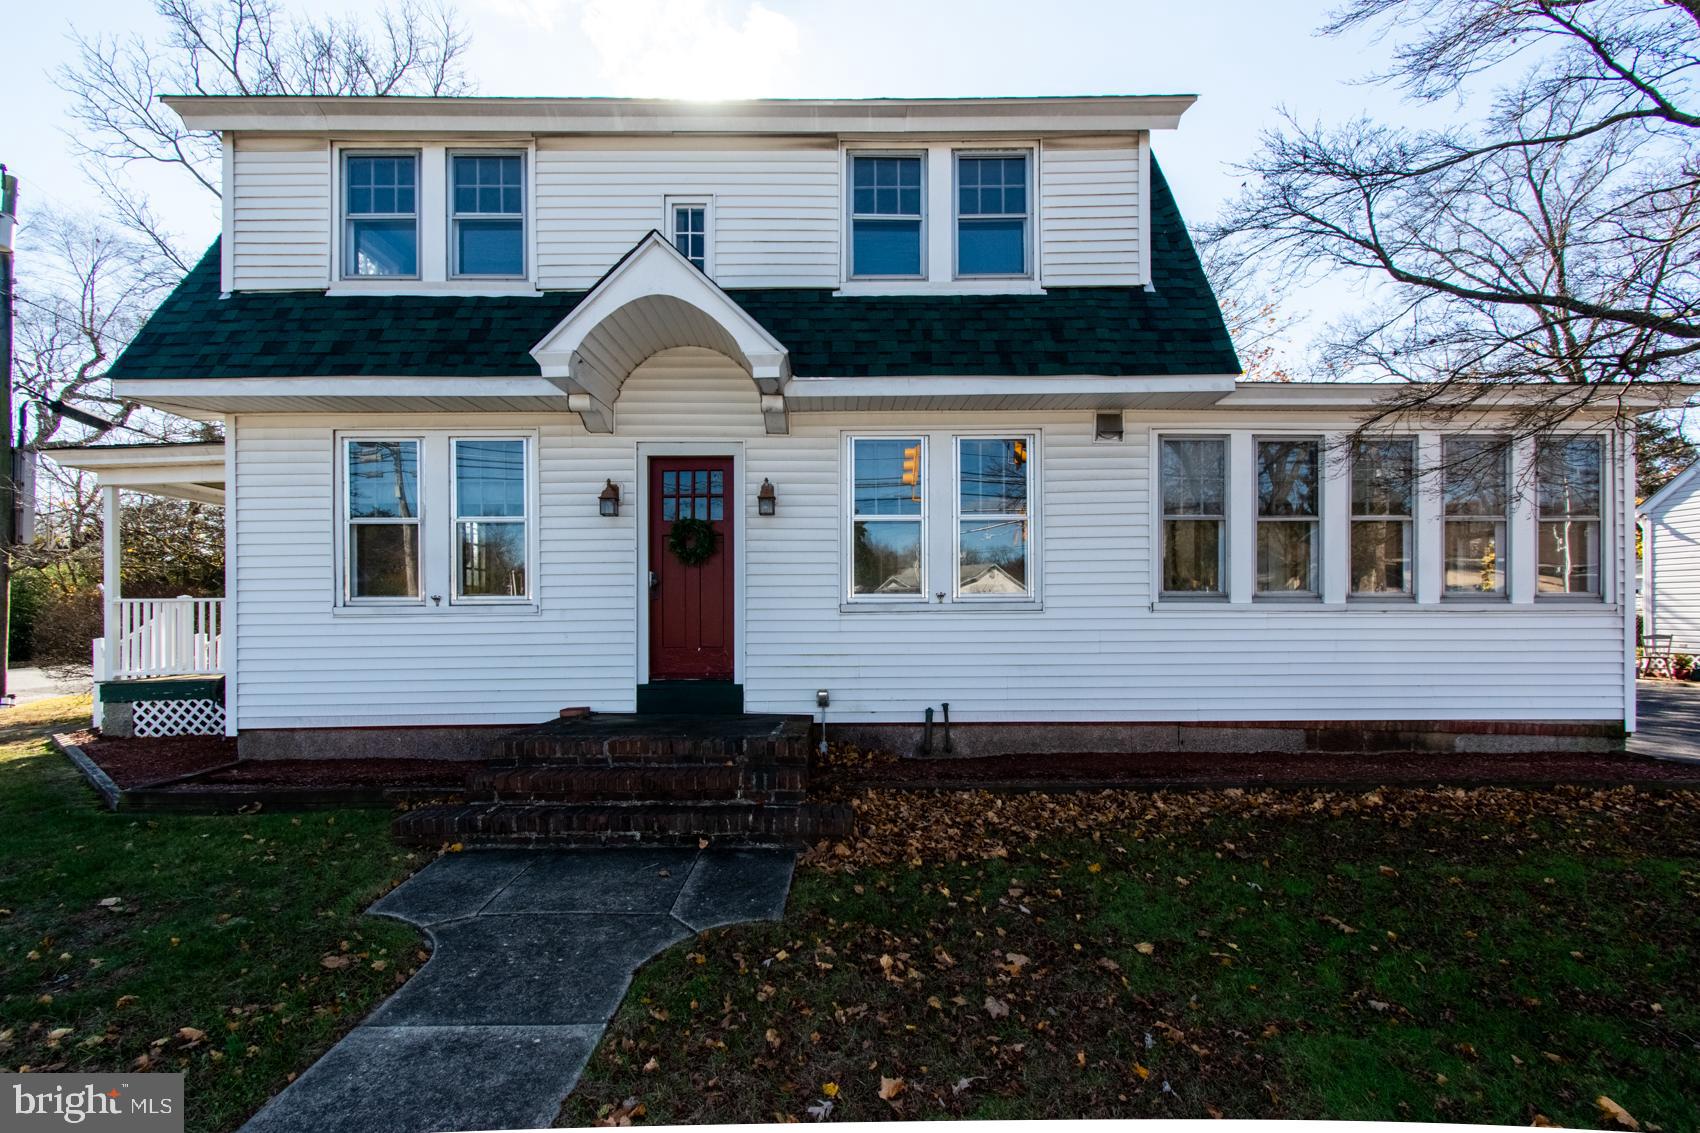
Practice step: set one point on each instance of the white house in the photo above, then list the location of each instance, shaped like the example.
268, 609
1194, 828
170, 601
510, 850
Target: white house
943, 378
1670, 561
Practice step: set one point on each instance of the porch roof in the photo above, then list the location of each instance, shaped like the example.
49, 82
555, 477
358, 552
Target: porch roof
185, 471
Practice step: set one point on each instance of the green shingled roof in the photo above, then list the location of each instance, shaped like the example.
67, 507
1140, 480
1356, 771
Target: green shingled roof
1176, 328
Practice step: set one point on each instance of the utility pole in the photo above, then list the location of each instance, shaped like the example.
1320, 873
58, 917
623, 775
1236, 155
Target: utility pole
8, 457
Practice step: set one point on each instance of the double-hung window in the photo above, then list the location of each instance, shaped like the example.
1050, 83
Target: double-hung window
993, 528
487, 214
1568, 472
689, 223
886, 202
489, 518
1288, 513
1383, 498
887, 517
381, 492
1475, 498
992, 214
1194, 477
380, 215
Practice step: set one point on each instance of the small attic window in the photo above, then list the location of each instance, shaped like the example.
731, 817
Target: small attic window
1109, 428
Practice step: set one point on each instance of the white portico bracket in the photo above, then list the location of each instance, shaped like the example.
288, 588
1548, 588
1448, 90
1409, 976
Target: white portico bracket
655, 299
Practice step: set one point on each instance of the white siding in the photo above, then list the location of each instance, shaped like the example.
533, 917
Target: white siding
775, 216
1089, 204
281, 199
1673, 571
1095, 650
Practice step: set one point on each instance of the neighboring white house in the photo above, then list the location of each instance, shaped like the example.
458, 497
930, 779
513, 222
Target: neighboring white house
1670, 561
943, 377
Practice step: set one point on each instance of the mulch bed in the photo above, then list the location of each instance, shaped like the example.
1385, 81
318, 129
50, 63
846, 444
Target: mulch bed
139, 762
1268, 769
341, 773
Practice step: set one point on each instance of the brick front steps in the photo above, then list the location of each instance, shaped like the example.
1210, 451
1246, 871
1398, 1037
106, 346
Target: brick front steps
655, 779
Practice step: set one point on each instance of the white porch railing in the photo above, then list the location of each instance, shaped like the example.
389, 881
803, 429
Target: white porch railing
164, 637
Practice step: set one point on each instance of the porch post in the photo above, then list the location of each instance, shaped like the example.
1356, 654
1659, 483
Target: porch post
110, 543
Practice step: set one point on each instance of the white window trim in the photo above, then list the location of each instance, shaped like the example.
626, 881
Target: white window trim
452, 246
1031, 518
1353, 518
438, 551
343, 219
1319, 549
1224, 556
704, 202
1604, 538
851, 216
529, 486
848, 528
1507, 520
346, 522
1027, 218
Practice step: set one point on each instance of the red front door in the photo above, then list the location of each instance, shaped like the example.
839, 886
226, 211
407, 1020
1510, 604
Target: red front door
690, 607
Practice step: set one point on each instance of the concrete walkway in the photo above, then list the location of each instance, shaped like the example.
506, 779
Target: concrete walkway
1667, 717
533, 951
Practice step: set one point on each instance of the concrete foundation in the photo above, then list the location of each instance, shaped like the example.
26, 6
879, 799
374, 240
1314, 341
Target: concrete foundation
469, 742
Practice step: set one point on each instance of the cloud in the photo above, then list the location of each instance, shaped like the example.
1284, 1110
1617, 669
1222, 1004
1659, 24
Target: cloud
540, 14
688, 48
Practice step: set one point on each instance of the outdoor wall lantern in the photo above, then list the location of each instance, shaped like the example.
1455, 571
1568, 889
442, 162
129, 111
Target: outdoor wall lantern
766, 500
608, 503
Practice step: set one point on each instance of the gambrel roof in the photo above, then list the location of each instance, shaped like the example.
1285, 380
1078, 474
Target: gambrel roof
1174, 329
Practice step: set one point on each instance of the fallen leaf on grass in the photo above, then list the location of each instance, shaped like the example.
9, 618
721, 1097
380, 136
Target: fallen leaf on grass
890, 1088
1140, 1072
1542, 1121
830, 1089
333, 961
623, 1113
191, 1034
996, 1007
1145, 948
57, 1033
127, 1001
1616, 1113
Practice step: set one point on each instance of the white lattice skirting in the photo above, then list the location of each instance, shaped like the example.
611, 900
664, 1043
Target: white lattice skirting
179, 718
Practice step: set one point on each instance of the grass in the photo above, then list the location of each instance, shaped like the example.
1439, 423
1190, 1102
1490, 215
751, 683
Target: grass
230, 948
1480, 963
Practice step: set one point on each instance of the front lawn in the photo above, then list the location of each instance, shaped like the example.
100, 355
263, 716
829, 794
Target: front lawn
231, 948
1495, 956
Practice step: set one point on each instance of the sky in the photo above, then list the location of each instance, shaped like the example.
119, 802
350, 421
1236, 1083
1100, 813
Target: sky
1245, 59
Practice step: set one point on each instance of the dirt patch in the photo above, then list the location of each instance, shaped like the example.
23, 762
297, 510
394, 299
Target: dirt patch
139, 762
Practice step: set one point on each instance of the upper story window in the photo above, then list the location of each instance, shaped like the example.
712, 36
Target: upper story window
1568, 473
1194, 474
992, 215
993, 529
689, 222
381, 215
1383, 507
487, 214
887, 519
886, 213
1475, 499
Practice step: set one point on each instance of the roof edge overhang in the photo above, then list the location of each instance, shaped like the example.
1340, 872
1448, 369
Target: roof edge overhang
1087, 114
212, 398
187, 471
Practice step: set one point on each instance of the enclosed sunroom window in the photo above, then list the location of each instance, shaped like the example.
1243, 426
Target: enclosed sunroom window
380, 215
1194, 479
885, 216
490, 521
381, 480
1383, 499
1568, 471
994, 527
1475, 497
1288, 515
887, 517
487, 199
